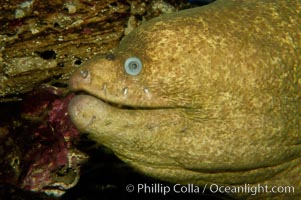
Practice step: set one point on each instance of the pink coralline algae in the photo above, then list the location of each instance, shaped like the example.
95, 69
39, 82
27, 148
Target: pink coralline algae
52, 162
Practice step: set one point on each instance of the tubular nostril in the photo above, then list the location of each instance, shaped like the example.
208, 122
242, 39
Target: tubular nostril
84, 73
79, 79
110, 56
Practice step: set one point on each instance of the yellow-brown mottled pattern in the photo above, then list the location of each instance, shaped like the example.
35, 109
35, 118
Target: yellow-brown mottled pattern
218, 98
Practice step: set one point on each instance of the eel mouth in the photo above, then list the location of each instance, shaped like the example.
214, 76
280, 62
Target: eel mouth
120, 106
125, 106
111, 103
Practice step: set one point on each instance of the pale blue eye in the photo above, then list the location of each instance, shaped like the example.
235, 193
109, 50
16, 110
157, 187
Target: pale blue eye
133, 66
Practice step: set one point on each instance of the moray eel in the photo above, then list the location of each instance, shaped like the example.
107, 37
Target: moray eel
206, 95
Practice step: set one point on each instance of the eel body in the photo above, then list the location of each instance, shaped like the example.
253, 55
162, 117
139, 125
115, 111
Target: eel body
214, 97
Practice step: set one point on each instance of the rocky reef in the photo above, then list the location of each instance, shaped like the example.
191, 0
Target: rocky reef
45, 41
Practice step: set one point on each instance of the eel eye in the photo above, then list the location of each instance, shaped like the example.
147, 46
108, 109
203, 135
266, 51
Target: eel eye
133, 66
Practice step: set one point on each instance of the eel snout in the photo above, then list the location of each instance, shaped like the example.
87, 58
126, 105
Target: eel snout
80, 78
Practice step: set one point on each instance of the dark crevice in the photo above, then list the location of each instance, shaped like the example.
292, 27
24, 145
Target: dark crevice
47, 54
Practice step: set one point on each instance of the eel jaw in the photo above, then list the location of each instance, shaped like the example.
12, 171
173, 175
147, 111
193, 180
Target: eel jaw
83, 109
120, 105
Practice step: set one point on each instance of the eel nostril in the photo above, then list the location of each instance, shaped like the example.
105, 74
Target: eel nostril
110, 56
84, 73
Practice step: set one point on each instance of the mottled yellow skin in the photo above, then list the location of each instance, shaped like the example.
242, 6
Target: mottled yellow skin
218, 98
